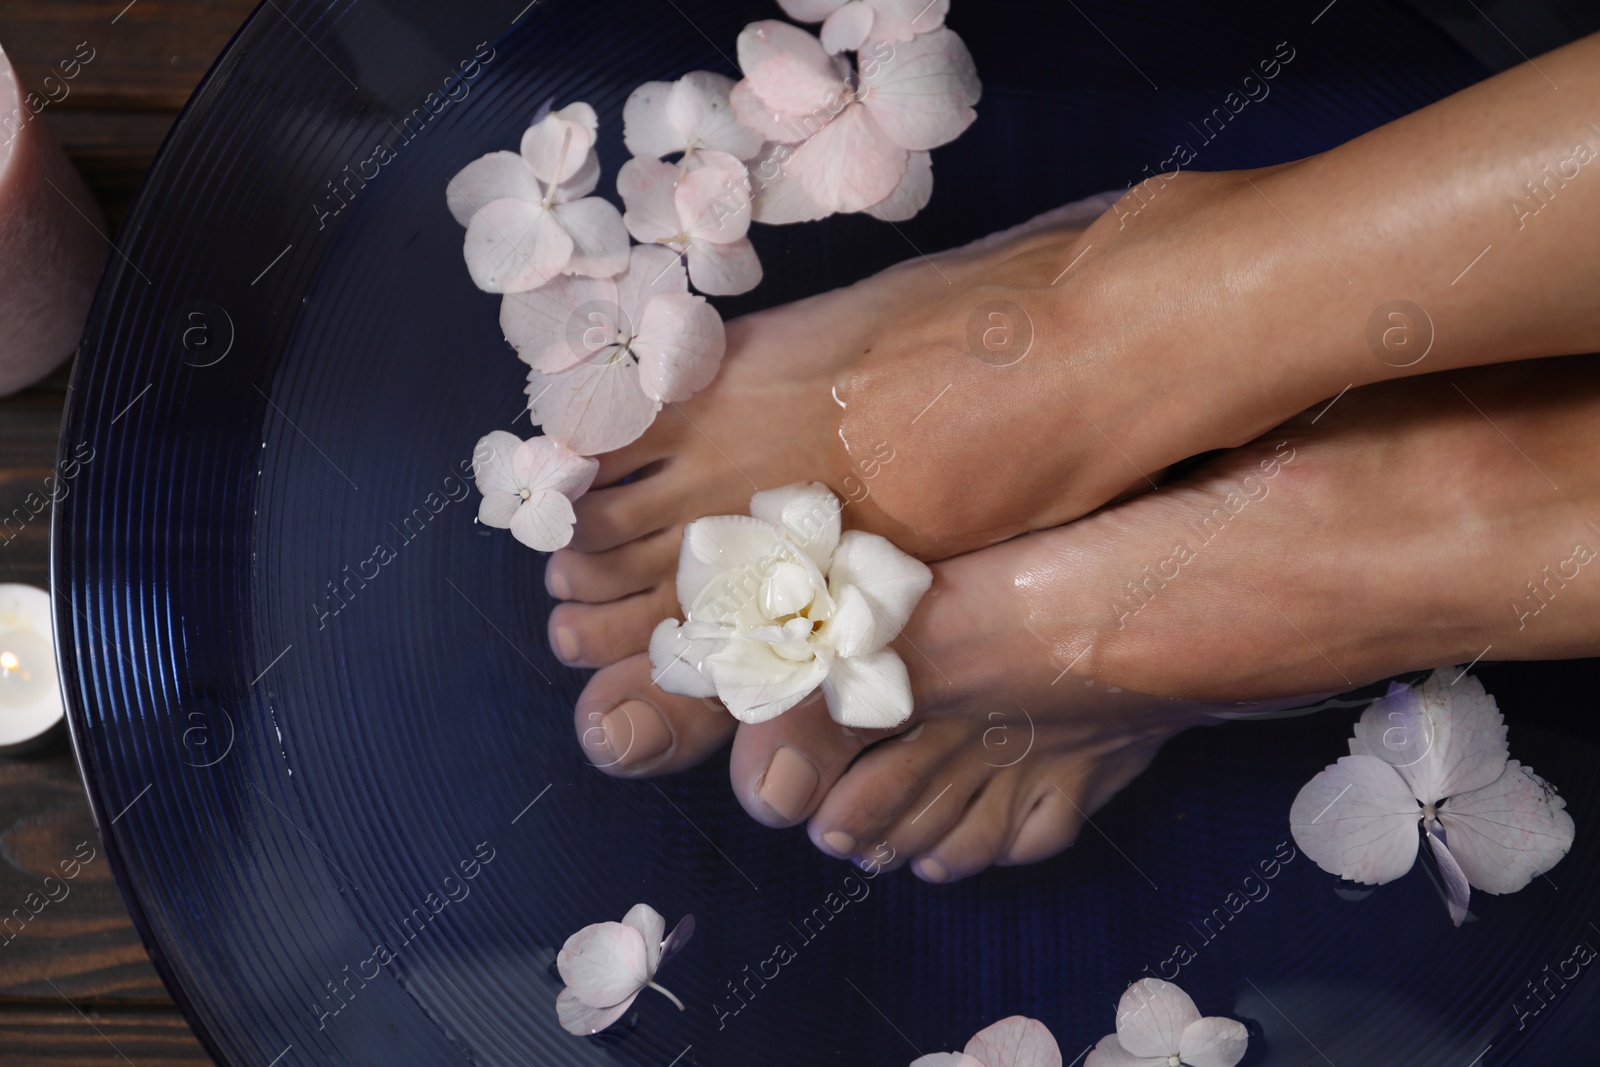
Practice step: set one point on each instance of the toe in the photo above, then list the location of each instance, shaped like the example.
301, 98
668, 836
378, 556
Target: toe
658, 442
904, 782
598, 577
976, 840
594, 635
781, 769
1050, 824
630, 728
611, 517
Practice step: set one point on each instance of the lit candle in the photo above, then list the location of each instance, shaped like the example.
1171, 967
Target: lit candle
30, 692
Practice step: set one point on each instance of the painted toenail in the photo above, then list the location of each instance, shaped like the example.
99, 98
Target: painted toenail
788, 784
635, 732
931, 870
557, 584
566, 641
839, 843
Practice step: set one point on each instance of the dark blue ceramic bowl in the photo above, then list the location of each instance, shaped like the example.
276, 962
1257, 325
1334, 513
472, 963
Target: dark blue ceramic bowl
295, 769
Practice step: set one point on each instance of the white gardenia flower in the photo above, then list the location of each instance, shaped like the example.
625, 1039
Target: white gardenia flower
528, 487
607, 965
530, 217
1159, 1026
1014, 1042
779, 602
1432, 760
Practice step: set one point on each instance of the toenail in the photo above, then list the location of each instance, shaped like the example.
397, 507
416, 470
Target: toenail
635, 732
566, 642
557, 584
931, 870
839, 843
788, 784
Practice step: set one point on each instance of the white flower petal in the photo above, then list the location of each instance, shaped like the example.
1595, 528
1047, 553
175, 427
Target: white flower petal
1015, 1042
546, 327
1457, 891
543, 464
599, 239
849, 164
646, 128
1357, 819
787, 589
493, 467
603, 964
721, 564
1151, 1017
1442, 738
901, 20
713, 201
851, 631
847, 28
699, 110
653, 928
496, 176
724, 269
498, 509
513, 245
647, 187
561, 139
1110, 1053
892, 581
592, 408
652, 269
675, 661
773, 125
756, 684
776, 198
911, 195
788, 69
809, 514
1509, 832
922, 95
680, 345
871, 692
810, 10
946, 1059
544, 521
1213, 1042
578, 1018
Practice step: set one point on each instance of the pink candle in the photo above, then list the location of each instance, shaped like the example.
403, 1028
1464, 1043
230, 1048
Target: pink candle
51, 244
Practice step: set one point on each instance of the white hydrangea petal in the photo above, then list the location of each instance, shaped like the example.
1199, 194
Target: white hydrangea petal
808, 512
675, 660
496, 176
892, 581
493, 466
580, 1019
562, 139
1213, 1042
603, 963
1015, 1042
847, 28
1357, 819
756, 684
599, 239
580, 184
647, 129
698, 106
775, 197
946, 1059
772, 124
1110, 1053
544, 326
922, 95
788, 68
810, 10
724, 269
1442, 738
512, 245
653, 928
680, 345
901, 20
1509, 832
592, 408
652, 270
647, 188
1457, 891
1152, 1016
849, 164
713, 200
498, 509
911, 195
871, 692
544, 521
544, 464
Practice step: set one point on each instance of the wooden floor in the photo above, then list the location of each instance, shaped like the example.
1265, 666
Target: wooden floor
76, 988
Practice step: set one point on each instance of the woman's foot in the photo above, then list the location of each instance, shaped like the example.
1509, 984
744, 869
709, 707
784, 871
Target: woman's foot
1392, 532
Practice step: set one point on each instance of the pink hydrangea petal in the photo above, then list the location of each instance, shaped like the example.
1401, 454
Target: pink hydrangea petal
922, 96
810, 10
675, 660
871, 692
847, 28
1509, 832
809, 514
1151, 1017
1110, 1053
647, 188
1457, 892
849, 164
562, 138
1442, 738
653, 928
776, 198
543, 464
1213, 1042
713, 201
892, 581
680, 346
788, 68
756, 684
911, 195
901, 20
652, 270
497, 509
513, 246
1015, 1042
592, 408
725, 270
770, 123
1357, 819
721, 561
554, 327
599, 239
544, 521
647, 129
603, 964
578, 1018
580, 184
946, 1059
496, 176
493, 466
698, 107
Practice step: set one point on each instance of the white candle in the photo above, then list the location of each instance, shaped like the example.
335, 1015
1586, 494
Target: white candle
30, 691
52, 241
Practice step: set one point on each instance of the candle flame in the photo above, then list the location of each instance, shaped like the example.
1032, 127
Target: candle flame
9, 662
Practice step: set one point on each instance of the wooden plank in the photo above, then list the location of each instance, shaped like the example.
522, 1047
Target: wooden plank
112, 150
30, 423
146, 56
59, 1036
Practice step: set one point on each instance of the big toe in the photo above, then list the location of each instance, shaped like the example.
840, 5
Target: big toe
631, 728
